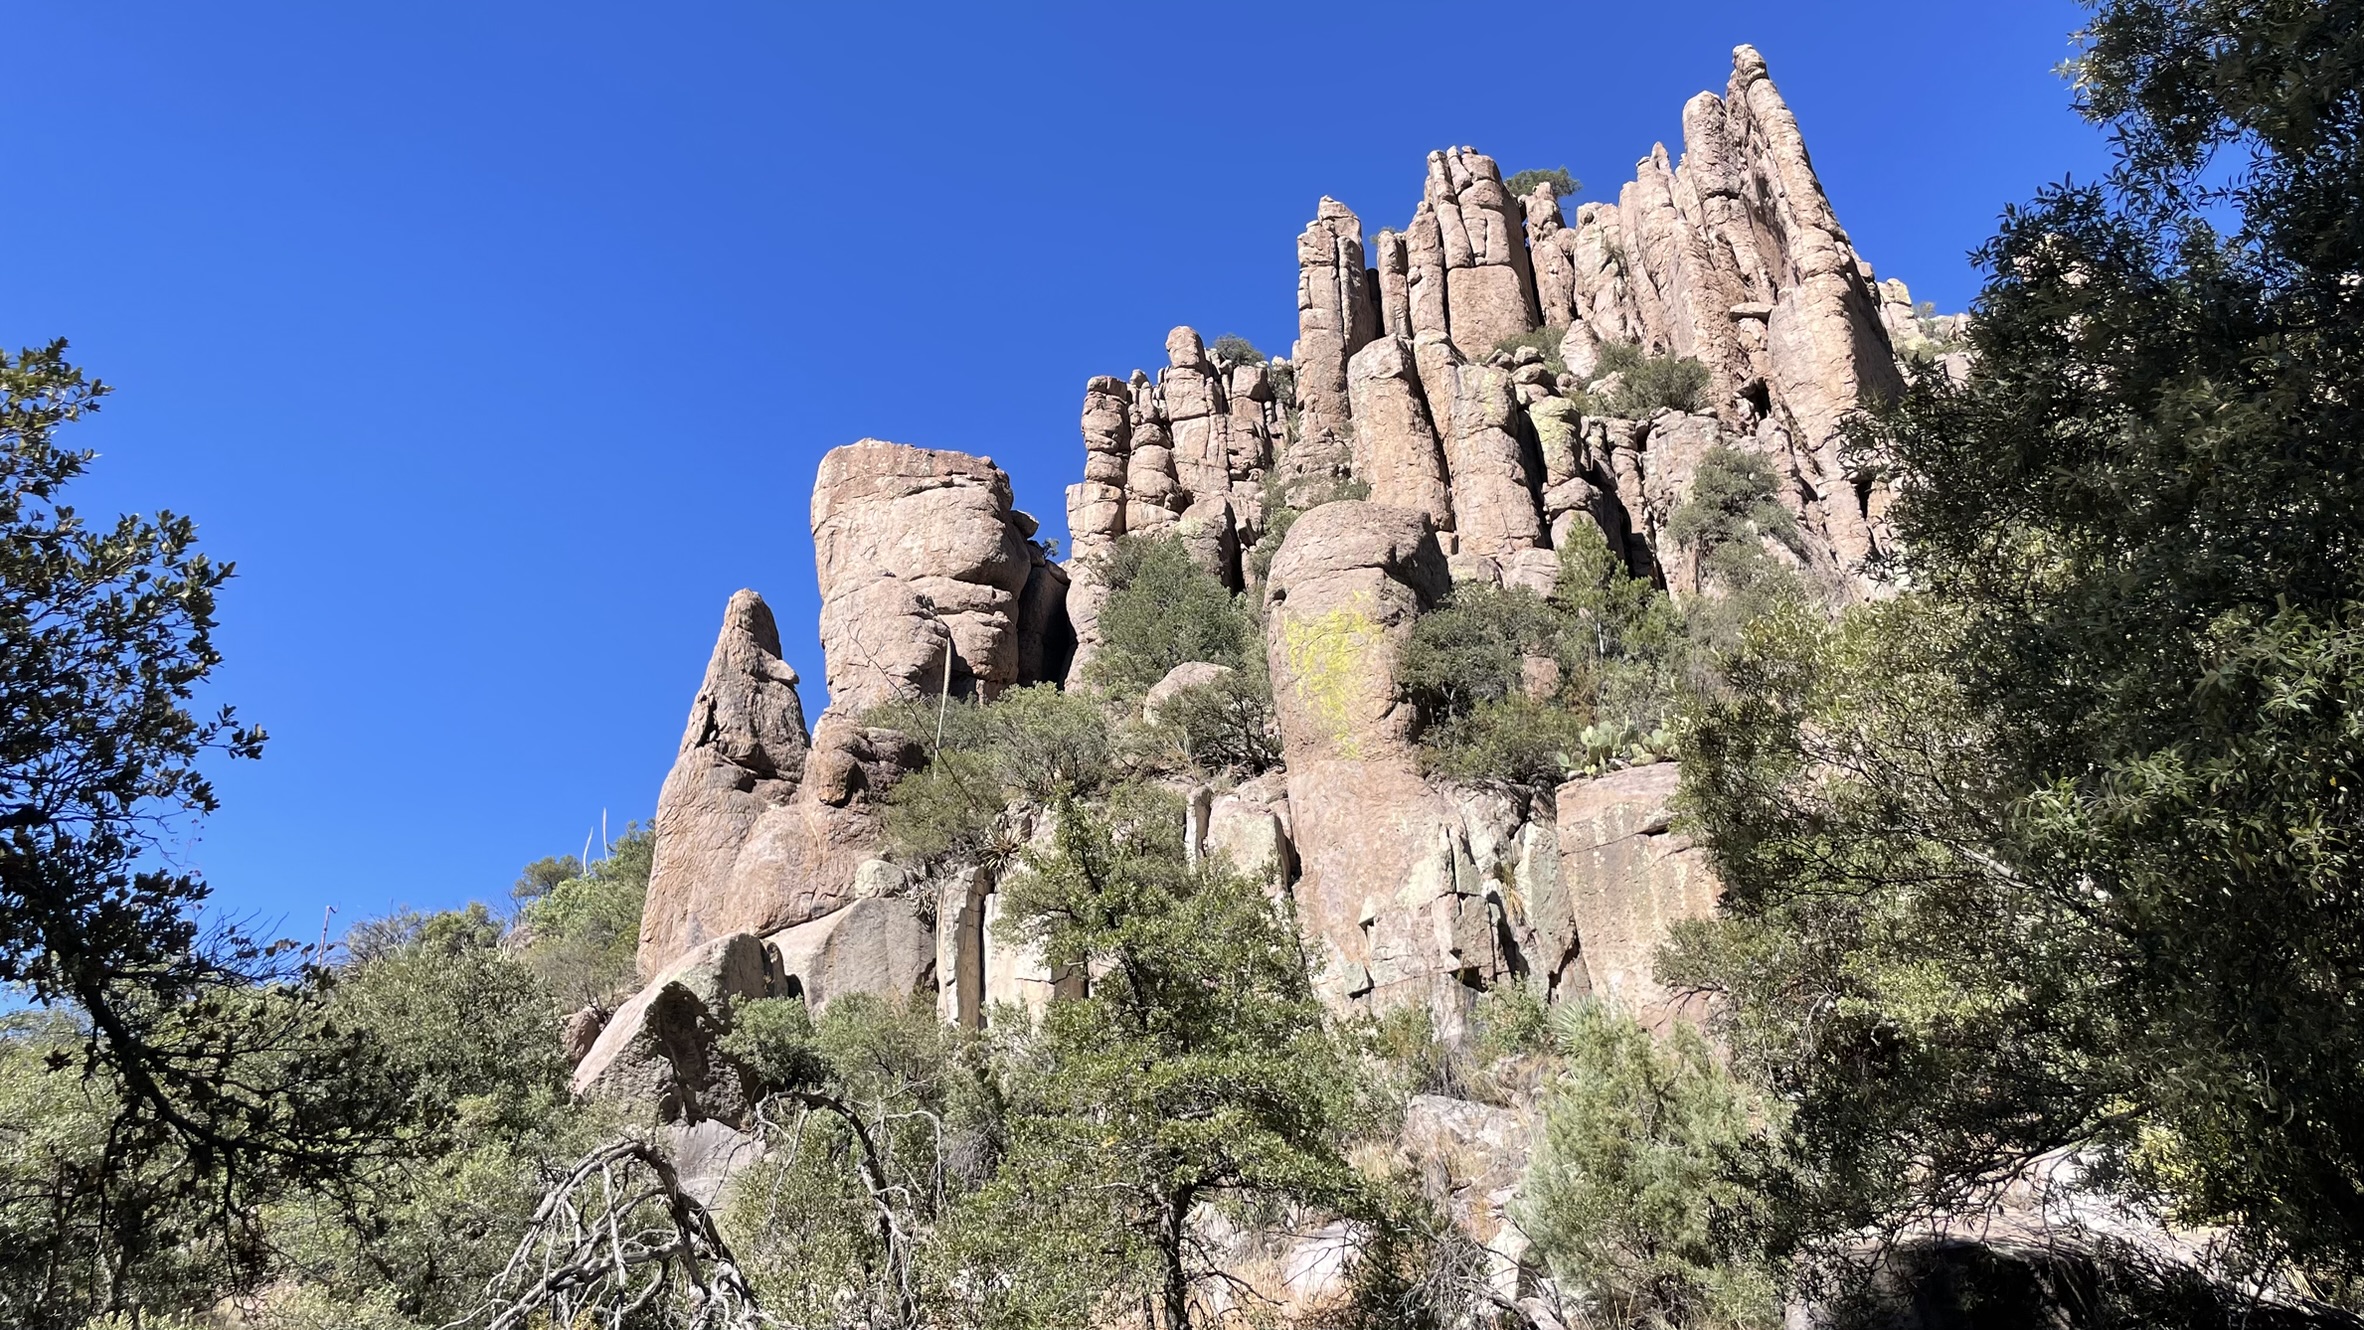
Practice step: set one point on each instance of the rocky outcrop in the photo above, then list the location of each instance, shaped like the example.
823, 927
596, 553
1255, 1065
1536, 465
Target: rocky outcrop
879, 943
1630, 878
1337, 314
1730, 255
658, 1050
1480, 260
742, 754
918, 550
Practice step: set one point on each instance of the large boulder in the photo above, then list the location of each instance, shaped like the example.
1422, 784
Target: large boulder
914, 547
658, 1050
1630, 877
1336, 316
741, 755
1341, 595
877, 944
1396, 449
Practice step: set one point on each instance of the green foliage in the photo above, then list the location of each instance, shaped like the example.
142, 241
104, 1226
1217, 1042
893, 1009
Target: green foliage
1164, 610
1632, 1197
1544, 340
469, 1041
1649, 384
1723, 529
1032, 745
1562, 184
1233, 349
1197, 1070
582, 935
446, 931
535, 879
2060, 848
1225, 726
1512, 1020
1532, 691
877, 1107
187, 1075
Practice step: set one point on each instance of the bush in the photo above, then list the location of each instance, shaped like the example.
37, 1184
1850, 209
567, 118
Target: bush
1030, 745
582, 935
1225, 726
1164, 610
1233, 349
1563, 185
1473, 648
1636, 1195
1545, 340
1651, 383
1622, 656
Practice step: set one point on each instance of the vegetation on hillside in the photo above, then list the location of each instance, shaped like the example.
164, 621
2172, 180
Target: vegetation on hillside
2047, 854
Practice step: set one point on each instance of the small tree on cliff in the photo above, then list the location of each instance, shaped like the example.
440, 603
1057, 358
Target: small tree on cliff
1198, 1069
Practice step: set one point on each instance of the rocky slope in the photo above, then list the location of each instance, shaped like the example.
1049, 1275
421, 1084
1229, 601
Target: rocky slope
771, 877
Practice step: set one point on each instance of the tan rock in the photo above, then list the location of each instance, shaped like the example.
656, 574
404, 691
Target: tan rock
1344, 588
1493, 497
1630, 878
892, 523
1188, 674
742, 754
658, 1049
1336, 313
1489, 285
877, 944
580, 1031
1396, 449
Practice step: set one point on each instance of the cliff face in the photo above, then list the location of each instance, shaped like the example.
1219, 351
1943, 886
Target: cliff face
1480, 456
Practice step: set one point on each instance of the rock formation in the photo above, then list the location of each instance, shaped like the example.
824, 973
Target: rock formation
1730, 255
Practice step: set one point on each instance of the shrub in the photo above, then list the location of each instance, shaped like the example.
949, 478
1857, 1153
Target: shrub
1621, 650
1637, 1193
1472, 649
1517, 739
1224, 726
1030, 745
1233, 349
1545, 340
1649, 384
1562, 184
1164, 610
583, 934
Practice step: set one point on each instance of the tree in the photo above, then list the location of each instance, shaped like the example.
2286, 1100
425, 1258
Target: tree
1164, 610
1233, 349
581, 933
1563, 185
880, 1116
1636, 1196
2058, 850
471, 1058
1196, 1069
1029, 745
202, 1052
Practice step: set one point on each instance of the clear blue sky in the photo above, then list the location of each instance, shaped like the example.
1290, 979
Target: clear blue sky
498, 342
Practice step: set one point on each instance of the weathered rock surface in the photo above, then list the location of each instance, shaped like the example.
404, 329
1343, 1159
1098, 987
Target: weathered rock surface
875, 944
1630, 879
742, 754
659, 1048
1344, 589
1337, 313
916, 547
